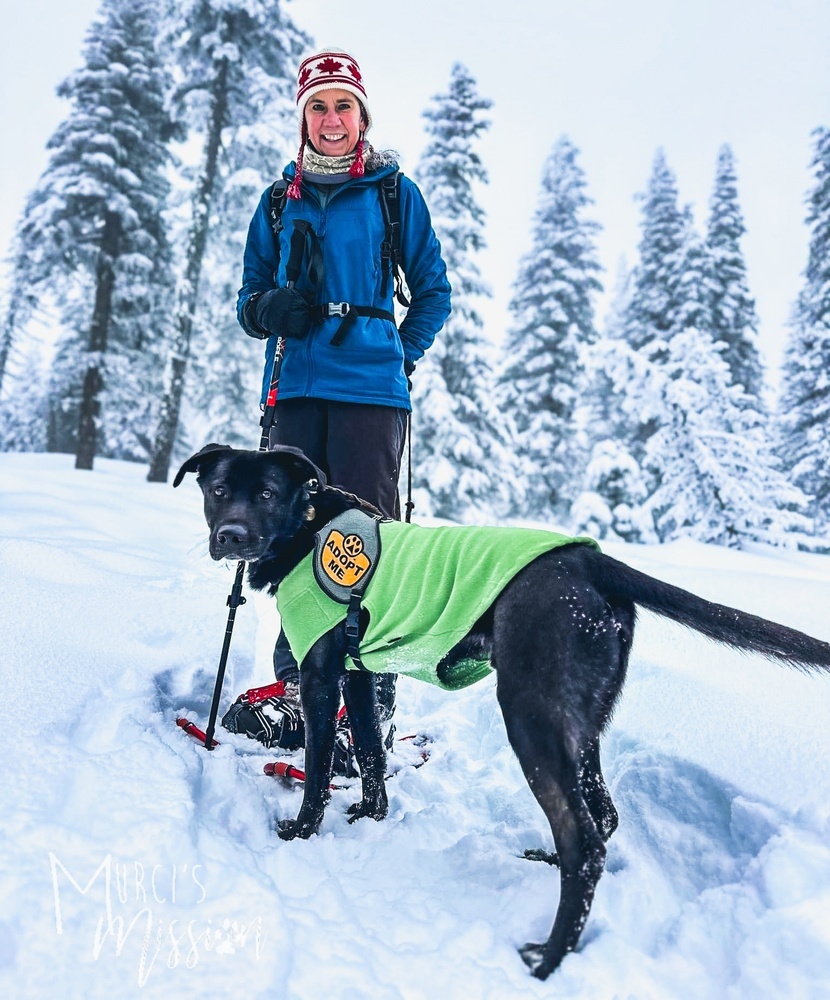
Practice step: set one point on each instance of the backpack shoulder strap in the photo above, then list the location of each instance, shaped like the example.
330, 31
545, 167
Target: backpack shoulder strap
390, 251
277, 199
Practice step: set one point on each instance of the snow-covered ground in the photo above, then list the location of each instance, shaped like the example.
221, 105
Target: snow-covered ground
134, 864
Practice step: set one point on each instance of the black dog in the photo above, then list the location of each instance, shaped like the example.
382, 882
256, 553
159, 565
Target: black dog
558, 637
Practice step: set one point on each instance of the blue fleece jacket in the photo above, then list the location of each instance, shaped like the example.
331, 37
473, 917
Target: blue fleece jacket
368, 366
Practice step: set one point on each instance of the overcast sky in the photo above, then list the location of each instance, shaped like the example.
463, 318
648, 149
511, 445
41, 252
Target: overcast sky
621, 77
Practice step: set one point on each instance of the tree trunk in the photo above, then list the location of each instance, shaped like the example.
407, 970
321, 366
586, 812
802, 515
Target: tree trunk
98, 335
187, 295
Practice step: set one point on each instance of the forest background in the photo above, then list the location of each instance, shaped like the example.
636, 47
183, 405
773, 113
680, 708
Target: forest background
621, 83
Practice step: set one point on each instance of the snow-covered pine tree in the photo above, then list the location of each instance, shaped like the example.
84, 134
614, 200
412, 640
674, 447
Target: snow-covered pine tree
458, 460
18, 305
91, 236
716, 479
734, 320
708, 467
613, 485
655, 296
544, 380
613, 492
804, 409
222, 395
237, 59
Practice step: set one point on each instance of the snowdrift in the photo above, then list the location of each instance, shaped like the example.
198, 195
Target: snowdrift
137, 865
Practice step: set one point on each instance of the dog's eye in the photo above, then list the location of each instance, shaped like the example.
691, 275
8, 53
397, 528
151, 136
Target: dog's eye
266, 494
219, 491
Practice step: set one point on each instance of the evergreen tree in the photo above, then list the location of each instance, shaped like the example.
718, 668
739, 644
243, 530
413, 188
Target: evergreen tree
221, 401
238, 60
804, 413
92, 234
657, 294
613, 485
459, 459
544, 379
655, 297
24, 408
700, 444
718, 479
602, 415
734, 320
611, 502
712, 475
19, 303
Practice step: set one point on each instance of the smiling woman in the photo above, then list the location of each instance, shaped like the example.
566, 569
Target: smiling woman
345, 379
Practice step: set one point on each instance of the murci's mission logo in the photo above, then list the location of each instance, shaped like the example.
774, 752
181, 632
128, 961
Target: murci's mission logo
144, 905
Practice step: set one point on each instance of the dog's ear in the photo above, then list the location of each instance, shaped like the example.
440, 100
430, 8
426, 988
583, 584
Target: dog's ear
297, 464
210, 453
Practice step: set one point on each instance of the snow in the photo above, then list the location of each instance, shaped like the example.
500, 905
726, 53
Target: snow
717, 883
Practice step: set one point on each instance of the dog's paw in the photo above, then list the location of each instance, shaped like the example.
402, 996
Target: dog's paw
291, 829
535, 959
537, 854
374, 810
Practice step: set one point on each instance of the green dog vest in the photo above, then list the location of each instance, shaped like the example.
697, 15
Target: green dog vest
426, 589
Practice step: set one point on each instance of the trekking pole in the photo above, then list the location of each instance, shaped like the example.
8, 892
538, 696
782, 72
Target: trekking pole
235, 598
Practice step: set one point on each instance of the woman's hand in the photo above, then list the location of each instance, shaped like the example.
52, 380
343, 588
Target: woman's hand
284, 311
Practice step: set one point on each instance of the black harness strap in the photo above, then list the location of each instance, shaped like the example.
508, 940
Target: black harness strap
353, 629
279, 194
350, 314
390, 249
390, 252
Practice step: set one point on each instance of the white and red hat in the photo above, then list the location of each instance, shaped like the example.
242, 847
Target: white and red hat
330, 69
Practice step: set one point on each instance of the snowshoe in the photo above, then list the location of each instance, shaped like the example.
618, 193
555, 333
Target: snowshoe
271, 714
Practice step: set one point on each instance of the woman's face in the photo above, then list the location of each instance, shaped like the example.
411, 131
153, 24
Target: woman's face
334, 121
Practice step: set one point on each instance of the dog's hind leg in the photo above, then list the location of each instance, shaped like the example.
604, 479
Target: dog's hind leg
549, 757
597, 798
559, 669
595, 791
361, 704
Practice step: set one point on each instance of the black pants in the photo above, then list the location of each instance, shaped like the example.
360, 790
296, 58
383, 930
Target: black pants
359, 448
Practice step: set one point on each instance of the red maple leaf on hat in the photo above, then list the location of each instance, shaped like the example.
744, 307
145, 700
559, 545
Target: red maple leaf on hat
329, 65
355, 72
306, 73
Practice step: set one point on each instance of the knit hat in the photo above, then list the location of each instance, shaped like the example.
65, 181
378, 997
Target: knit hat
329, 69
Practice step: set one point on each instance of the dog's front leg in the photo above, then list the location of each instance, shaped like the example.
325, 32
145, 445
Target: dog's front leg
320, 695
361, 703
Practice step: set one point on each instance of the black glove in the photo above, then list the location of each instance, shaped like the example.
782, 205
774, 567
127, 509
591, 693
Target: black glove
283, 311
408, 369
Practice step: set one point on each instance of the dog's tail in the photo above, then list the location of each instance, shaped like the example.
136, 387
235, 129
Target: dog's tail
716, 621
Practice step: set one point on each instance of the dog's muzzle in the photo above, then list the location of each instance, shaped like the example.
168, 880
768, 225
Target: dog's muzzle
232, 541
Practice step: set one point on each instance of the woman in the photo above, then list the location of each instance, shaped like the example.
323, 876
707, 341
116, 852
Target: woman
344, 385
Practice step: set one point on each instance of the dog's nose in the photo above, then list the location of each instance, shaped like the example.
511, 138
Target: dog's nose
231, 536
